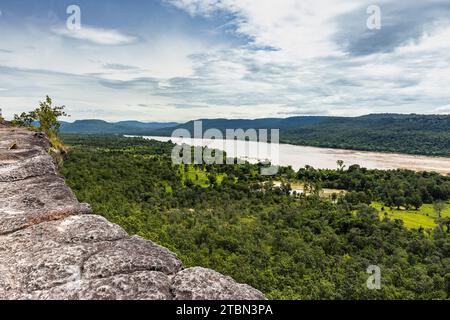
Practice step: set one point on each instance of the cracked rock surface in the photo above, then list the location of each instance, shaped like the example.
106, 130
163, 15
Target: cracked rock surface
53, 247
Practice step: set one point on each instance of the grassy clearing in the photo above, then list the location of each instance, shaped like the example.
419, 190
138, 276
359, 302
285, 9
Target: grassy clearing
198, 176
413, 219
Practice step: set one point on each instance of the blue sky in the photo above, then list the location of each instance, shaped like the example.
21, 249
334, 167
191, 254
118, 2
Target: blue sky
177, 60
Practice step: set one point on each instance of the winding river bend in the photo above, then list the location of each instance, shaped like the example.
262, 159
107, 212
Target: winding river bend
323, 158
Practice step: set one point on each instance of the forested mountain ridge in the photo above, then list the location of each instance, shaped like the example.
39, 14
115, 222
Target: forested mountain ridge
414, 134
103, 127
403, 133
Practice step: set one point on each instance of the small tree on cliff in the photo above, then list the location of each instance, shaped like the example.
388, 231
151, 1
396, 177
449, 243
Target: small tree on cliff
47, 116
25, 119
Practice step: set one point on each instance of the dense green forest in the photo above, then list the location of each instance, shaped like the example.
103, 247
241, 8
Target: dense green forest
414, 134
231, 219
394, 188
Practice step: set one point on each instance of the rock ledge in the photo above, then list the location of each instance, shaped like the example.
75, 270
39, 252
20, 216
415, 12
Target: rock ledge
53, 247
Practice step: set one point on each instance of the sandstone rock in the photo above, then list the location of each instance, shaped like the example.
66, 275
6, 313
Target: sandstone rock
52, 247
205, 284
131, 255
42, 198
24, 138
143, 285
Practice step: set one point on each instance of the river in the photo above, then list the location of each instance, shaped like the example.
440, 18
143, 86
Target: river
323, 158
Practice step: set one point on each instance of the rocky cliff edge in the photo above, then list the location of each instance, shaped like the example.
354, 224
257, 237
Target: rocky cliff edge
53, 247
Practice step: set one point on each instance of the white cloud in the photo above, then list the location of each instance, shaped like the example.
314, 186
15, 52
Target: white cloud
433, 40
310, 69
302, 29
162, 56
97, 35
274, 58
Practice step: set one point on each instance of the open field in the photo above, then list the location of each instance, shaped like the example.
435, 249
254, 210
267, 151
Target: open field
413, 219
198, 176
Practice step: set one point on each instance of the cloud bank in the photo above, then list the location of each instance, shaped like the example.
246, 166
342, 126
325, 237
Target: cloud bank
235, 58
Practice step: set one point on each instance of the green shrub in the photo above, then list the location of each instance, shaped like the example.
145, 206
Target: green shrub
46, 115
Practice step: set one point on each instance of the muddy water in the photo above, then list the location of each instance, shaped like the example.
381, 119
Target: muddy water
324, 158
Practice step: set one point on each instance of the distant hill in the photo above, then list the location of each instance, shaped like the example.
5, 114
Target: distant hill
264, 123
411, 121
413, 134
404, 133
103, 127
166, 128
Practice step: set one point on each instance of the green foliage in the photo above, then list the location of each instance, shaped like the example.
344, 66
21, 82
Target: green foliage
438, 207
394, 188
24, 119
424, 218
303, 247
47, 116
413, 134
